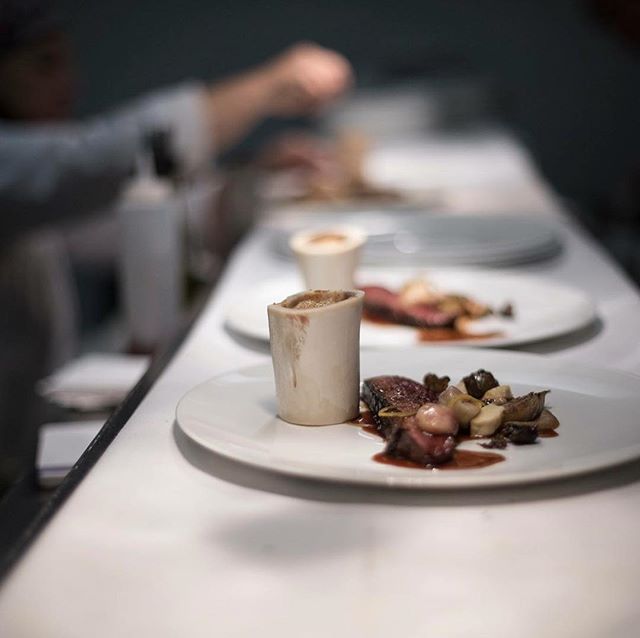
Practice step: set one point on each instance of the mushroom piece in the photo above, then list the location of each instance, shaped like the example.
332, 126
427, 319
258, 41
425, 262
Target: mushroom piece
546, 421
499, 395
478, 382
435, 383
525, 408
520, 433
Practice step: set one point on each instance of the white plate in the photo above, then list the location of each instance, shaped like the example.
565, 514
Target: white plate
234, 415
444, 240
543, 308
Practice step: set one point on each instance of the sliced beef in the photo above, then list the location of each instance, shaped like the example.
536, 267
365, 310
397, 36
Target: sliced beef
400, 393
381, 303
404, 438
478, 382
420, 447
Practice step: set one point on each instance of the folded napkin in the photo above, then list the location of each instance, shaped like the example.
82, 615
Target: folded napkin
60, 445
94, 381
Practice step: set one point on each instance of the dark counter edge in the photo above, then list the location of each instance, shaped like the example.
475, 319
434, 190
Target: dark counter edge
89, 458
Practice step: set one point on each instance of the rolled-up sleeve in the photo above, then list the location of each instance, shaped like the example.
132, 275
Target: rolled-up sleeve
52, 172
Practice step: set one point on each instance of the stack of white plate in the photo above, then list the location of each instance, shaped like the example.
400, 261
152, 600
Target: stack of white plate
490, 240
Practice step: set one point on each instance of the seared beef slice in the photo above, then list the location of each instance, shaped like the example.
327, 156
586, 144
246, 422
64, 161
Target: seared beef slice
404, 438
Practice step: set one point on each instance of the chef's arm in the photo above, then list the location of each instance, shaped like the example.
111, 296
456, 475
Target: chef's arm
297, 82
52, 172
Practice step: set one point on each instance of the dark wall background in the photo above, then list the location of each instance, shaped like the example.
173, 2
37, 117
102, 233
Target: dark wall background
569, 87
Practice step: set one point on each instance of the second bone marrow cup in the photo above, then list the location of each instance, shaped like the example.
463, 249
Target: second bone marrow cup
328, 258
315, 347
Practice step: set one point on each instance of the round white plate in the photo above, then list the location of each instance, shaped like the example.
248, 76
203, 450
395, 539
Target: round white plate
543, 308
440, 240
235, 415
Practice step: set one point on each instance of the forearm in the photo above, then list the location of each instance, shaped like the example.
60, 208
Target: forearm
298, 82
54, 172
236, 105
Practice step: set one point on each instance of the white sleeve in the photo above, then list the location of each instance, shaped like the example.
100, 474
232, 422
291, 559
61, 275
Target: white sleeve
50, 172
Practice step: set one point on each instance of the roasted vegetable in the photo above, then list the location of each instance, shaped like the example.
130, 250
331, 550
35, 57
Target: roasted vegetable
498, 395
435, 383
461, 386
519, 433
465, 408
496, 442
447, 396
487, 421
525, 408
546, 421
478, 382
436, 419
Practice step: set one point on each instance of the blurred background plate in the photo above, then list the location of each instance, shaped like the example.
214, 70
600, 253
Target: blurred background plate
542, 308
446, 240
234, 415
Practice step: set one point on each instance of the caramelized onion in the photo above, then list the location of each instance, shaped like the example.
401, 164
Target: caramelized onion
390, 412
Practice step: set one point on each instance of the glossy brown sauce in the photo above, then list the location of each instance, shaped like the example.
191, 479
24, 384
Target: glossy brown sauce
433, 334
372, 429
452, 334
365, 418
462, 460
366, 422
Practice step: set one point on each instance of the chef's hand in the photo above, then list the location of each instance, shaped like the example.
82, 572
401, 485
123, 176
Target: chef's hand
305, 78
297, 82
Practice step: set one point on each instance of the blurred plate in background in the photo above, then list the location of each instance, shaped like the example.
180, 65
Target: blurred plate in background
234, 415
439, 240
542, 308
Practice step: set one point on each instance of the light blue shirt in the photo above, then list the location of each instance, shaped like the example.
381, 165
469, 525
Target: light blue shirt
55, 171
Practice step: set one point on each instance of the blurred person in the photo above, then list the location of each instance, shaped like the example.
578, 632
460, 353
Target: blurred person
53, 169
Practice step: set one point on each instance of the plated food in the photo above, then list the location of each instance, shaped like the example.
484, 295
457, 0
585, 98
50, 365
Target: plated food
233, 415
347, 181
541, 308
422, 423
440, 315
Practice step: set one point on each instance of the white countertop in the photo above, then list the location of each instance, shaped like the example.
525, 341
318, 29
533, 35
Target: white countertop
163, 539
